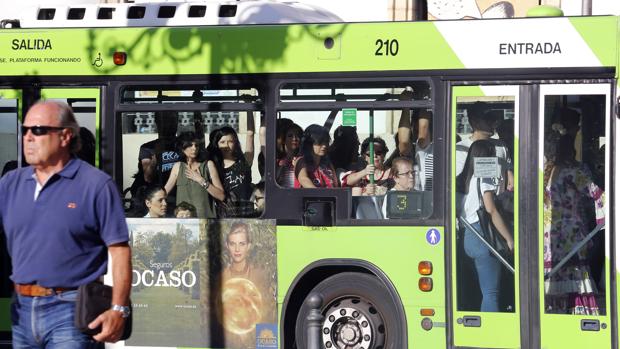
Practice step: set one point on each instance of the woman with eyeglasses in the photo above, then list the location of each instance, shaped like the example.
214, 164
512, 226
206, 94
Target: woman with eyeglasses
360, 181
314, 169
403, 175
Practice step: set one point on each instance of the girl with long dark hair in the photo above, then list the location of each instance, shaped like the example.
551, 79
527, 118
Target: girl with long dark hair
285, 173
235, 169
313, 169
569, 190
487, 265
360, 180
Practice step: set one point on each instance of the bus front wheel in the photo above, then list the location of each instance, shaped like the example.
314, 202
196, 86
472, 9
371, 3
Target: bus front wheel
358, 313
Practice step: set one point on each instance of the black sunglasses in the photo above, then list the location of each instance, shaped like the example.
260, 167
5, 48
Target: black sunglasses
39, 130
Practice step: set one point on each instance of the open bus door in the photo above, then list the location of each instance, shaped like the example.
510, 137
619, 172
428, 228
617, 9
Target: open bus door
485, 278
10, 116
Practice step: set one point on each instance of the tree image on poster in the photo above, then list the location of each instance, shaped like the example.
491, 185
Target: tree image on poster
165, 283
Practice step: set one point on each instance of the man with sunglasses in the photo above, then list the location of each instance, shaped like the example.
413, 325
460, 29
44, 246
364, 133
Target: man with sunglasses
61, 217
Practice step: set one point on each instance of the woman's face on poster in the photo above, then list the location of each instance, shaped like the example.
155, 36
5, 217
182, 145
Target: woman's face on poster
238, 245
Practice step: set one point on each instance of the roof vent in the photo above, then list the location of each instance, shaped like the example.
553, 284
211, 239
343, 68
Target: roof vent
166, 11
228, 10
76, 13
46, 14
105, 12
197, 11
136, 12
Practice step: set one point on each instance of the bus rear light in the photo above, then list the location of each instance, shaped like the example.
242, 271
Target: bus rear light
120, 58
427, 312
425, 268
425, 284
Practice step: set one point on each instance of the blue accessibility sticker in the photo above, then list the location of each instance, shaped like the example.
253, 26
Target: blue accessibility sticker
433, 236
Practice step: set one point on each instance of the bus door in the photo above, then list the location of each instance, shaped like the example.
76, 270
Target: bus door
485, 187
573, 236
85, 103
10, 115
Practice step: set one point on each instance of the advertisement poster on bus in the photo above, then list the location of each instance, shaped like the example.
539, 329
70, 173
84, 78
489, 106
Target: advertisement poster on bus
203, 283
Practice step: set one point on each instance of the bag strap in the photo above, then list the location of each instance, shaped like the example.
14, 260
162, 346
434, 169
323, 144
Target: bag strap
480, 193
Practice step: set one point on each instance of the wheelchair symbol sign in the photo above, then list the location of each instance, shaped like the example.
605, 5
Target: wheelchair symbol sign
433, 236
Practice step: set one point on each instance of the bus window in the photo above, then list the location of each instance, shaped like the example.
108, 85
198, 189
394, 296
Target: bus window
214, 150
370, 137
485, 185
574, 204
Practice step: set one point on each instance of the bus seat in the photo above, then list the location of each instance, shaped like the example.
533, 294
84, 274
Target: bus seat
367, 207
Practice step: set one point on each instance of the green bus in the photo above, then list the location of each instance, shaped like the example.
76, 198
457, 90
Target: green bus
405, 269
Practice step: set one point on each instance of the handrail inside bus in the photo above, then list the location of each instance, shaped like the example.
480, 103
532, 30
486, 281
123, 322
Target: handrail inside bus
575, 249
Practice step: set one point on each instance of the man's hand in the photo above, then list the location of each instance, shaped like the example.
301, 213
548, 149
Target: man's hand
112, 325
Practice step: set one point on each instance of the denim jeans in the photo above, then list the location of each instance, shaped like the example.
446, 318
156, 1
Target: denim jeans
488, 268
47, 322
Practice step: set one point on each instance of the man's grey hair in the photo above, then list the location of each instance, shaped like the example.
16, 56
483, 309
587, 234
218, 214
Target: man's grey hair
67, 119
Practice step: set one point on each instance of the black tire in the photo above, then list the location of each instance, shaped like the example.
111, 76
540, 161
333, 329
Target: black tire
358, 294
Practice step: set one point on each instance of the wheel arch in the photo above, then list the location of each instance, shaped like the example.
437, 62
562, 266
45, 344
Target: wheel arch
312, 275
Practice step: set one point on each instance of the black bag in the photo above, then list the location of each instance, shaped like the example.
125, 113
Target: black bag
93, 299
489, 233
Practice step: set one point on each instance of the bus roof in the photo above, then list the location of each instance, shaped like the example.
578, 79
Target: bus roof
169, 14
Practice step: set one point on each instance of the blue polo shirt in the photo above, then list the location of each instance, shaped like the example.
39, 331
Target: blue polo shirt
61, 238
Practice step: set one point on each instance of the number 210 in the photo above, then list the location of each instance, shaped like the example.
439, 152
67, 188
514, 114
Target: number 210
386, 47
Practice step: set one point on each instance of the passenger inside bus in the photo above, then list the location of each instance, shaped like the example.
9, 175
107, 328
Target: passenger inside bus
360, 180
197, 182
87, 152
314, 169
569, 189
288, 154
154, 201
487, 266
344, 150
156, 157
424, 151
403, 175
234, 167
483, 122
404, 137
185, 210
258, 197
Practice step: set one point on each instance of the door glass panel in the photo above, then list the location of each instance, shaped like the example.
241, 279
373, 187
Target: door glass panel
574, 169
485, 129
485, 183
